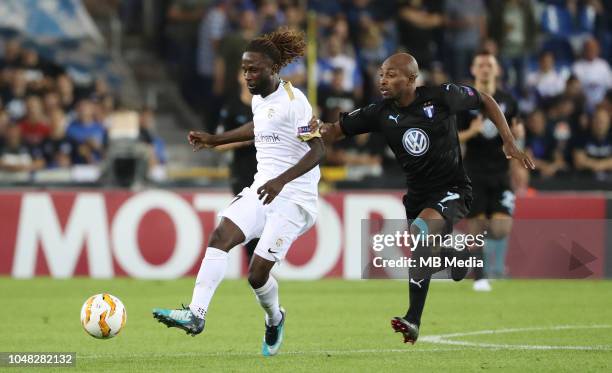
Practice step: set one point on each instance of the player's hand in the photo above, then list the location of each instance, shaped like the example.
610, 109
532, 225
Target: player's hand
314, 124
325, 129
270, 190
512, 151
200, 140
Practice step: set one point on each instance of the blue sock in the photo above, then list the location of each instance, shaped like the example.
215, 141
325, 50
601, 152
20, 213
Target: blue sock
488, 255
498, 249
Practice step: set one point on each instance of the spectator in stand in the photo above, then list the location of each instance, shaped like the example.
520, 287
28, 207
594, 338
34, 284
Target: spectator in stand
578, 117
51, 101
603, 26
437, 75
334, 99
372, 53
547, 82
512, 25
334, 57
228, 60
12, 54
156, 147
65, 88
15, 155
103, 107
271, 16
182, 20
360, 15
327, 11
100, 89
563, 112
594, 73
543, 147
14, 97
295, 71
465, 28
340, 31
594, 151
5, 122
34, 73
38, 70
569, 18
417, 22
212, 28
58, 150
89, 135
34, 126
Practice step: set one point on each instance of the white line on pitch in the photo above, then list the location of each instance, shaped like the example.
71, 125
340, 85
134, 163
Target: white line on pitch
445, 338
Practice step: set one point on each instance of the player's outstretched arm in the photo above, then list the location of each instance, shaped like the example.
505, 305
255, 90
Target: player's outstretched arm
313, 157
330, 132
493, 112
201, 140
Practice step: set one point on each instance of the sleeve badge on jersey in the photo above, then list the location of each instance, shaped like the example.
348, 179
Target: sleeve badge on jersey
468, 90
304, 133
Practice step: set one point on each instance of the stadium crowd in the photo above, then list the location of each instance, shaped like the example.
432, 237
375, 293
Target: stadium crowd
47, 122
553, 55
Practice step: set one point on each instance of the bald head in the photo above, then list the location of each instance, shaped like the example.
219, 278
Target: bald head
398, 76
404, 63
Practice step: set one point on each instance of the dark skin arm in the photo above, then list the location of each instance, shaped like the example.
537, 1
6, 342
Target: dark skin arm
313, 157
201, 140
330, 132
491, 110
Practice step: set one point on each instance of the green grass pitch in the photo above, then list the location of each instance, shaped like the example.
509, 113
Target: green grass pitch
332, 325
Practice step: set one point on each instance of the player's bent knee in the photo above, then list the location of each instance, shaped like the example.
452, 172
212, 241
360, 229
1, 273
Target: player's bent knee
218, 239
224, 238
257, 279
499, 233
500, 227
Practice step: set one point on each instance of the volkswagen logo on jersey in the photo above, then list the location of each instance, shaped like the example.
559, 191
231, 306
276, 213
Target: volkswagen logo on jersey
415, 141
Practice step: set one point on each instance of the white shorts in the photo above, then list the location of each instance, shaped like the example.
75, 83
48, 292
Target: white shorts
276, 225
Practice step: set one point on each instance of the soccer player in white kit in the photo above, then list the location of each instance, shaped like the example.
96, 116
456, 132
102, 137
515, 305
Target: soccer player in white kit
280, 205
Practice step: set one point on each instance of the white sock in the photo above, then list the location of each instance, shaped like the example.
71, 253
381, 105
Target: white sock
209, 277
267, 296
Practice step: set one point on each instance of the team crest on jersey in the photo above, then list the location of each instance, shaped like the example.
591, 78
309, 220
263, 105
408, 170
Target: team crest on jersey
468, 90
428, 109
415, 141
271, 113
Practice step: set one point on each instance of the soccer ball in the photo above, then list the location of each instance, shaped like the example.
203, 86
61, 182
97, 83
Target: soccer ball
103, 316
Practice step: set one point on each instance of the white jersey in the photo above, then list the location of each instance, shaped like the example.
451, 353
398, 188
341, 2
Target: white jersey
277, 119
